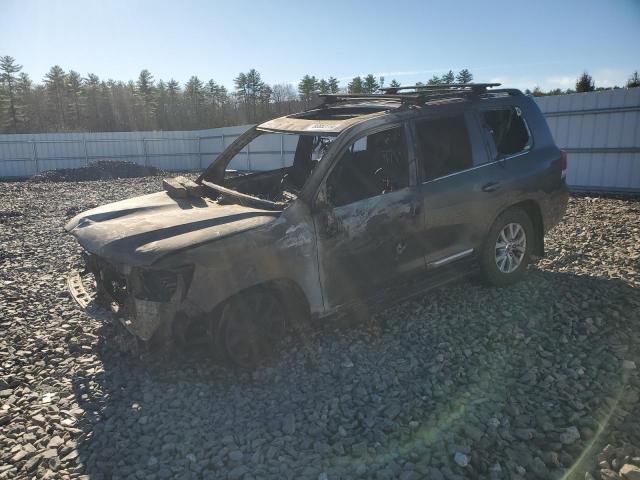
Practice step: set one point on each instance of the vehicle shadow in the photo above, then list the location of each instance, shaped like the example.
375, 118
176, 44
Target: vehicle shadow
495, 375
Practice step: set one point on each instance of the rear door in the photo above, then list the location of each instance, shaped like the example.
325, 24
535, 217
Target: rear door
460, 185
370, 224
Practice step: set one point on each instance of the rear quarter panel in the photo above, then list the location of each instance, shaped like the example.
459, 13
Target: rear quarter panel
537, 173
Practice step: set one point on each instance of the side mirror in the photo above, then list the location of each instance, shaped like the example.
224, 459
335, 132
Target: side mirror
322, 201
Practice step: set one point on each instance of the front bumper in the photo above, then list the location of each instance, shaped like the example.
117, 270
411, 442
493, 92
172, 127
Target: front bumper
142, 318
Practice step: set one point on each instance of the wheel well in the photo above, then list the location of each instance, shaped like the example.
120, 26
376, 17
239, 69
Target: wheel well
532, 209
287, 291
292, 297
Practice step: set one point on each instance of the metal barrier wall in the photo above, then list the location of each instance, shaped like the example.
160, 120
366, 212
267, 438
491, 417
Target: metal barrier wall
25, 155
599, 130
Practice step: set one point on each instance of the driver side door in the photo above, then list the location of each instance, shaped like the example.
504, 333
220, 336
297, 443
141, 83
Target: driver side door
370, 223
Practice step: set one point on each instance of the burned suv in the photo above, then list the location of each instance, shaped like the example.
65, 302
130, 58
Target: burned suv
383, 196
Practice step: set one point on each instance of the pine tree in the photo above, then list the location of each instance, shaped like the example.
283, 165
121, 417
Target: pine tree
174, 117
370, 85
355, 85
108, 96
255, 85
249, 88
240, 83
323, 86
145, 93
74, 92
448, 77
9, 93
28, 100
161, 102
91, 92
194, 100
585, 83
216, 100
333, 85
308, 88
55, 83
464, 76
394, 83
435, 80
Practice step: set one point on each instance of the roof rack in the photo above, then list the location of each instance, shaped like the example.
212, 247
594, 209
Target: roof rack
474, 87
422, 93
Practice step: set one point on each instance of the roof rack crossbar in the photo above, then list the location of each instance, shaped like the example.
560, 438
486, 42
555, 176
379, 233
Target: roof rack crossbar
406, 98
392, 96
475, 87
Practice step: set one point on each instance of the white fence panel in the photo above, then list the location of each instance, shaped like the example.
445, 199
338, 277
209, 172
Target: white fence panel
601, 133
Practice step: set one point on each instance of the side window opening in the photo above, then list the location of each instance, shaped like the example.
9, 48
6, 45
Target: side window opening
371, 166
508, 130
444, 146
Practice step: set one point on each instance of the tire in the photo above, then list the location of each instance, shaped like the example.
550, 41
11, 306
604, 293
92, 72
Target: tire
506, 251
250, 327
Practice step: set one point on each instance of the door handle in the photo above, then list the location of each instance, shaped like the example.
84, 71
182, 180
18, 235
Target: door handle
491, 187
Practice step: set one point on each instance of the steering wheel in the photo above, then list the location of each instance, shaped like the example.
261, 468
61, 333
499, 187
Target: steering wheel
285, 183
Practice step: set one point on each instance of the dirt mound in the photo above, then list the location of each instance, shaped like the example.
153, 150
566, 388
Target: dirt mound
100, 170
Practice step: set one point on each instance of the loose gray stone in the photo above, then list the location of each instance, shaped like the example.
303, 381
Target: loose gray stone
289, 424
461, 459
570, 435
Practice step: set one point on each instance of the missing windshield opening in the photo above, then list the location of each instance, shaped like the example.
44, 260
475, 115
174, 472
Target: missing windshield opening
286, 161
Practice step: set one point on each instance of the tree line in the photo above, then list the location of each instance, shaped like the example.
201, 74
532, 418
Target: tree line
584, 83
69, 102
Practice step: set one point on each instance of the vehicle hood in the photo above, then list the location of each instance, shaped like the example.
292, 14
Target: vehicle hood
141, 230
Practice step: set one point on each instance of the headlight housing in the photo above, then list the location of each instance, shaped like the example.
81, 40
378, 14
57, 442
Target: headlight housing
159, 285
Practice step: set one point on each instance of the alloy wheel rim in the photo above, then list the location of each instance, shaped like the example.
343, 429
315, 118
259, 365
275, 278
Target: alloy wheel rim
510, 247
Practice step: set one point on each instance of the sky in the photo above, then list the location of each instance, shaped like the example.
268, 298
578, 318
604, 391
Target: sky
521, 44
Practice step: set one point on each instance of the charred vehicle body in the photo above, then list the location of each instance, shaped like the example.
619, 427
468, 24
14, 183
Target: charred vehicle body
387, 195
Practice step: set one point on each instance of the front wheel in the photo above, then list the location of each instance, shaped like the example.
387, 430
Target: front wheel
507, 248
250, 327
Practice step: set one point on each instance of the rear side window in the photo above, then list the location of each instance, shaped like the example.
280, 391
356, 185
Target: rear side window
508, 130
444, 147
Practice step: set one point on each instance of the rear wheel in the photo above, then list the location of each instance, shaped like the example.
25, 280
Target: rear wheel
250, 327
507, 249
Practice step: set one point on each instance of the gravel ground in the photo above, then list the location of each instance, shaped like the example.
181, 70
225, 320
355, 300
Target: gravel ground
539, 380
